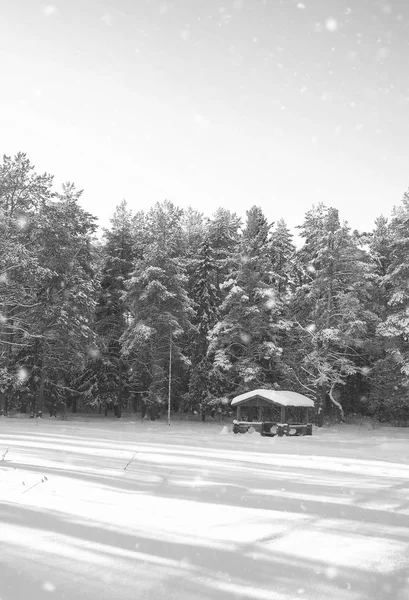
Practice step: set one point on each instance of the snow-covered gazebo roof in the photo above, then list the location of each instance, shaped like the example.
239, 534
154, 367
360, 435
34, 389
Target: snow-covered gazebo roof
280, 397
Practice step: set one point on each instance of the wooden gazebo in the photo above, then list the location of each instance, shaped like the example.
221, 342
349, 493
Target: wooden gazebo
273, 412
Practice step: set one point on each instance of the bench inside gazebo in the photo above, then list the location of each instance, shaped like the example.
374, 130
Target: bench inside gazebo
273, 412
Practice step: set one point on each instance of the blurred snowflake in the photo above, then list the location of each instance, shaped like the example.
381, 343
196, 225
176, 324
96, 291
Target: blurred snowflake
331, 24
48, 586
49, 9
22, 375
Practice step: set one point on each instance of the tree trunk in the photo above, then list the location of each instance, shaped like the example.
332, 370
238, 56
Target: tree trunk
9, 363
74, 405
322, 395
7, 355
337, 404
40, 399
120, 377
3, 403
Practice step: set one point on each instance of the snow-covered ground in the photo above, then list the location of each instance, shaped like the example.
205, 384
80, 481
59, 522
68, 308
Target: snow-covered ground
122, 509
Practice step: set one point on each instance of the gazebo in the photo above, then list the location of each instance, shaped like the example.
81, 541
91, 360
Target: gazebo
273, 412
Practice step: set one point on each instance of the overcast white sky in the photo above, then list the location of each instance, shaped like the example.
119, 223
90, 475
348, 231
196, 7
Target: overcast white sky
279, 103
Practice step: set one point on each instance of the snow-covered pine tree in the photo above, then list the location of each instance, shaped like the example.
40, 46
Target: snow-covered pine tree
205, 303
159, 307
104, 381
61, 332
329, 309
390, 246
244, 345
224, 235
22, 193
282, 253
205, 296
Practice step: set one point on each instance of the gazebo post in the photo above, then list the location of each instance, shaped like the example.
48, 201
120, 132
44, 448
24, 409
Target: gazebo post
282, 417
238, 413
259, 412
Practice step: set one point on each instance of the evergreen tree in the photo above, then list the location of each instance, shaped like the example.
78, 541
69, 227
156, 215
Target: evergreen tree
205, 302
282, 254
329, 308
160, 310
224, 236
105, 378
61, 334
244, 345
22, 193
390, 252
205, 296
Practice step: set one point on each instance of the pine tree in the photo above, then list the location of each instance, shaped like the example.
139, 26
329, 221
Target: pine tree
224, 235
282, 253
389, 249
22, 193
395, 325
205, 296
61, 334
244, 345
329, 309
160, 310
205, 303
104, 381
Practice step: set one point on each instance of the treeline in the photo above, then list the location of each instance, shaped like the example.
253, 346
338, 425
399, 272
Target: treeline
229, 305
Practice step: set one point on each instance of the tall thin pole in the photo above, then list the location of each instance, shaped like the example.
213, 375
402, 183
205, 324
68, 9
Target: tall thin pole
170, 373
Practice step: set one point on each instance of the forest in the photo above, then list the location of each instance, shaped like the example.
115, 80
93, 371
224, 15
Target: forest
169, 301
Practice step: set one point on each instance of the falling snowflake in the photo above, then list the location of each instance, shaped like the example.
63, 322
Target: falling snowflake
22, 222
301, 5
22, 375
48, 586
331, 24
49, 9
185, 35
331, 572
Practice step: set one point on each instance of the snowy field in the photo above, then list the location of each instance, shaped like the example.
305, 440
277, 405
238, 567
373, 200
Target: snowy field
120, 509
